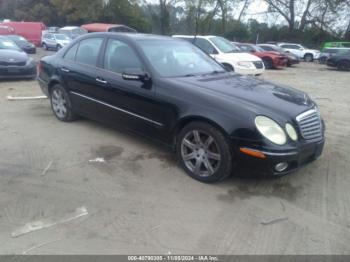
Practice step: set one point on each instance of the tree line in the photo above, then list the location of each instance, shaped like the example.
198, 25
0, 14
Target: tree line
307, 21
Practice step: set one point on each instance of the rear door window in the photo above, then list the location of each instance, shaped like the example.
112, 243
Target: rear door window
88, 51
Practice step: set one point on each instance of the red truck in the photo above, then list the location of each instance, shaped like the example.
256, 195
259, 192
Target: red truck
99, 27
6, 30
29, 30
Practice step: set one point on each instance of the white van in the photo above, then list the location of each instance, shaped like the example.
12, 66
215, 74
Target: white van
227, 53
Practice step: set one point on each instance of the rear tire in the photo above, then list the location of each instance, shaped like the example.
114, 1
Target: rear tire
204, 152
61, 104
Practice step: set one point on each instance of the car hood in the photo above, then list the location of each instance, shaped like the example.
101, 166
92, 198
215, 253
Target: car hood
258, 96
10, 55
238, 57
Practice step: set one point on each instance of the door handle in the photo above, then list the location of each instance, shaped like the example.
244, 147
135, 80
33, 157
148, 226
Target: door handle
65, 70
99, 80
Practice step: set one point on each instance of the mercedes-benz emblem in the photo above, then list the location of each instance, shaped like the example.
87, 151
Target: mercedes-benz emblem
11, 60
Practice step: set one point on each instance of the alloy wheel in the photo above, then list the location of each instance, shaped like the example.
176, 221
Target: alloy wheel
200, 153
59, 103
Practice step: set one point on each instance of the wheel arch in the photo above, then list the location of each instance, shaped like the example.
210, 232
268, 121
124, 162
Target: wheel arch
308, 53
195, 118
54, 81
228, 65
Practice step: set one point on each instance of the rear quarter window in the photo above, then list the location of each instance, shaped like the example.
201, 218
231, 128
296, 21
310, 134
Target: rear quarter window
70, 54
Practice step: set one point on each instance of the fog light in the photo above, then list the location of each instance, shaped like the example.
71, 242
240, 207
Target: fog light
281, 167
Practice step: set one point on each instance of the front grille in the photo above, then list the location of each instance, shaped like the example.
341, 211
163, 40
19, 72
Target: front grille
258, 64
310, 124
5, 63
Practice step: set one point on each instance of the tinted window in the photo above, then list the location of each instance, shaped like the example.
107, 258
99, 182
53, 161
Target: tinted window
246, 48
70, 55
120, 56
291, 46
267, 48
88, 51
224, 45
205, 45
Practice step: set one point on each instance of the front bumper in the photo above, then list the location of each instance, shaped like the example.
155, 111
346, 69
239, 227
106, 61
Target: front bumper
249, 165
10, 72
249, 71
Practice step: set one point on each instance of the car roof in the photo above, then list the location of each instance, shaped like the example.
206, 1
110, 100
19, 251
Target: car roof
131, 36
193, 36
346, 48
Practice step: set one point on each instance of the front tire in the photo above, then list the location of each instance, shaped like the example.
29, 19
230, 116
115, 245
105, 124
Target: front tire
61, 104
204, 152
228, 67
268, 63
45, 47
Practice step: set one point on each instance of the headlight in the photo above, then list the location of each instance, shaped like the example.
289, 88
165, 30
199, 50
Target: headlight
271, 130
291, 132
244, 64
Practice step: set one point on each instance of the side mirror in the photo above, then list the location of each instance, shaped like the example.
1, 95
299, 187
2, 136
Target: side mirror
135, 74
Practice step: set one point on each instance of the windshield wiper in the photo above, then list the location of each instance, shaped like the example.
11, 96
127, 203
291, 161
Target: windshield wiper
189, 75
215, 72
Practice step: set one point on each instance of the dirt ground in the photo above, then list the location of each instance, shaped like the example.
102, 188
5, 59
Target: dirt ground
140, 202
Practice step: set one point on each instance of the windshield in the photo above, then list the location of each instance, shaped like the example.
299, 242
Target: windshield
258, 48
8, 44
61, 37
178, 58
17, 38
224, 45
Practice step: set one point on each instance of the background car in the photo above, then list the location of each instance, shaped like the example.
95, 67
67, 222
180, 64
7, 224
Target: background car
292, 59
271, 59
329, 52
14, 63
341, 62
302, 52
23, 43
55, 41
72, 31
227, 54
335, 44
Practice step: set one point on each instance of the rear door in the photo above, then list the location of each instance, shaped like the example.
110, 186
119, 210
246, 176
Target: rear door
79, 72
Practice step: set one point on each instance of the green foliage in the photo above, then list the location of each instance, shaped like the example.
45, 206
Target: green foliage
164, 17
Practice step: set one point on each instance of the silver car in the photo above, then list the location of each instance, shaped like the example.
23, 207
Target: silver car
55, 41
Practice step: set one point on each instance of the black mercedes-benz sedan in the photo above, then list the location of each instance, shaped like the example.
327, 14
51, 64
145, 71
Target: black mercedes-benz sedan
14, 63
23, 43
168, 90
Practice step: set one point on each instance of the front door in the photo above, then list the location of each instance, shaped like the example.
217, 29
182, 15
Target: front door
131, 103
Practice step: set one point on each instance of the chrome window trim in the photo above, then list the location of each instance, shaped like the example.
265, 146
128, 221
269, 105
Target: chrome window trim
118, 108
